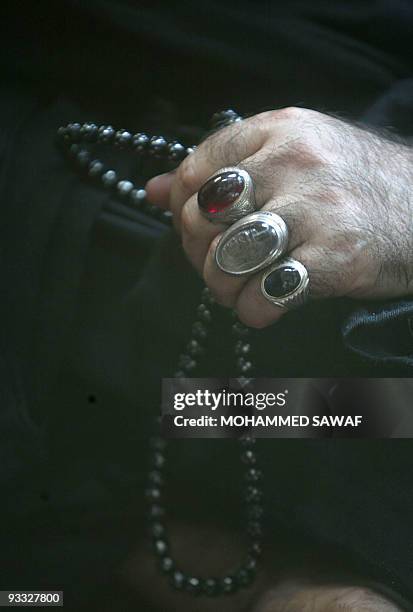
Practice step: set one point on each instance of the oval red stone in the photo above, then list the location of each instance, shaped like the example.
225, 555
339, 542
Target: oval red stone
220, 191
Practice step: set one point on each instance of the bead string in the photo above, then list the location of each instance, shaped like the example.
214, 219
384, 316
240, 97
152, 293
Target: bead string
75, 139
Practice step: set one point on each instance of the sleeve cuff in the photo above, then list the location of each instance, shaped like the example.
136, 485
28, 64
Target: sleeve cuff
382, 333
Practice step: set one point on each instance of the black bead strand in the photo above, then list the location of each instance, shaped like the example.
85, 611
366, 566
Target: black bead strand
73, 138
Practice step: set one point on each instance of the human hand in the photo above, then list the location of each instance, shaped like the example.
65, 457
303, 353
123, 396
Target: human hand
268, 593
344, 193
297, 596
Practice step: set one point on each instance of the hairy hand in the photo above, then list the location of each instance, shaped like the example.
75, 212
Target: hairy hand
344, 192
299, 597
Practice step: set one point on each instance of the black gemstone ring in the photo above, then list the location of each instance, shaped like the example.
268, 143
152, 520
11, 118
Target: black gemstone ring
228, 195
286, 284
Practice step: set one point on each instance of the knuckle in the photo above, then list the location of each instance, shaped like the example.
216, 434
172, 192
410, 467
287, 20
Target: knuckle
262, 120
306, 152
299, 151
346, 247
221, 145
186, 176
359, 598
288, 113
234, 140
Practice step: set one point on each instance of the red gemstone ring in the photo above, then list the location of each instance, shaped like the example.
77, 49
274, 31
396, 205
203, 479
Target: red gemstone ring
228, 195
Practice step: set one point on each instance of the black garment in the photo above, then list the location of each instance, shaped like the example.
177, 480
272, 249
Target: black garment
86, 335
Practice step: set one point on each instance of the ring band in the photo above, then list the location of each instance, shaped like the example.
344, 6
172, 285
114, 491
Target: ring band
228, 195
252, 243
286, 284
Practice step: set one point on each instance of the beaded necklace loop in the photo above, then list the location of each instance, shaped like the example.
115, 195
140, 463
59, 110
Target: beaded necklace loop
75, 140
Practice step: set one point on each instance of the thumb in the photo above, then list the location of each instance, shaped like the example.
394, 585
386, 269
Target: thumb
158, 189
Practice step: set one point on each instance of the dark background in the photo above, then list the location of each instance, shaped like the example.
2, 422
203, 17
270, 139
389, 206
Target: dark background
97, 299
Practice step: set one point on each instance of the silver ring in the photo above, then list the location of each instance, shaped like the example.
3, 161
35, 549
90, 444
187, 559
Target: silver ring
228, 195
286, 284
252, 243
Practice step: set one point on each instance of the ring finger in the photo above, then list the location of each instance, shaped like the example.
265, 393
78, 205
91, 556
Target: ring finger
325, 280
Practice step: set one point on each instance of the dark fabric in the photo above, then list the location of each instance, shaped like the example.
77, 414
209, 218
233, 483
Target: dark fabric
98, 300
382, 333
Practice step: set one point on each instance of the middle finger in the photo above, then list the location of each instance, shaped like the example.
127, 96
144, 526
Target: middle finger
226, 288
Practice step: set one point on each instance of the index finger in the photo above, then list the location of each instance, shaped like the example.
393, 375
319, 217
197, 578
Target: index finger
226, 147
